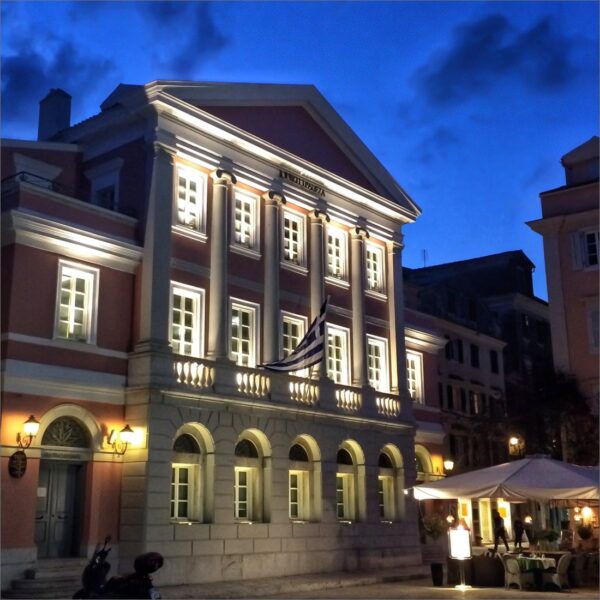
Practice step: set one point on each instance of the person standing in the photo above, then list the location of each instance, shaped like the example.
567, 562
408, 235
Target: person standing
519, 529
499, 531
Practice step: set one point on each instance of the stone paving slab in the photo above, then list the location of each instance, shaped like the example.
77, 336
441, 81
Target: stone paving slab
285, 586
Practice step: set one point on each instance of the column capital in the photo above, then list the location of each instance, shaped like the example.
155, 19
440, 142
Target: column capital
396, 244
359, 232
273, 197
223, 177
161, 148
319, 215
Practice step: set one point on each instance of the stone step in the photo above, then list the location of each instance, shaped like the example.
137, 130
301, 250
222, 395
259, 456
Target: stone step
50, 574
59, 563
48, 592
34, 585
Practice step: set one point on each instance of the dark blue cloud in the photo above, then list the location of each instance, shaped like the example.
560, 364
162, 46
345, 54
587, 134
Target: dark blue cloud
490, 51
28, 74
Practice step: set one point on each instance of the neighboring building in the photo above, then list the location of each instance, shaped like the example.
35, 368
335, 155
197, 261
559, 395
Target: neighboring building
154, 256
455, 374
569, 226
494, 294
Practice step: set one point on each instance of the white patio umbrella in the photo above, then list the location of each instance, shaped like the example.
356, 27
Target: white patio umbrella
531, 478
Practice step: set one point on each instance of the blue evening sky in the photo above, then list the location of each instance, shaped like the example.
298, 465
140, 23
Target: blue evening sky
469, 105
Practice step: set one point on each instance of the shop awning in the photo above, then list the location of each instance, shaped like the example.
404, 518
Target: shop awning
531, 478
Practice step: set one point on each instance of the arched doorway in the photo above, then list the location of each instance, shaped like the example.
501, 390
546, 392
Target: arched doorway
61, 488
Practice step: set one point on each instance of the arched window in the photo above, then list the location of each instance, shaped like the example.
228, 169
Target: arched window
192, 468
390, 484
350, 482
423, 463
252, 451
304, 483
66, 432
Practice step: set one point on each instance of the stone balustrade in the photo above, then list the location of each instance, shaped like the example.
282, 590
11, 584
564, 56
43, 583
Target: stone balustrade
229, 380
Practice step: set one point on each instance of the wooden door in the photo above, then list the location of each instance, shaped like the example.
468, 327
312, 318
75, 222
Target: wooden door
59, 503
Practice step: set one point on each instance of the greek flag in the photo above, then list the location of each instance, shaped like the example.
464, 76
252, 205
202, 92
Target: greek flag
309, 351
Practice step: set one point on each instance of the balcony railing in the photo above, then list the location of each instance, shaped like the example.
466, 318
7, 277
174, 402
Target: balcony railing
229, 380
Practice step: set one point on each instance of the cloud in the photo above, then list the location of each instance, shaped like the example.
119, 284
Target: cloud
28, 74
435, 144
190, 34
486, 52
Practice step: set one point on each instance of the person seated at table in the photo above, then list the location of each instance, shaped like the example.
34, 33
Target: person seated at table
499, 531
519, 530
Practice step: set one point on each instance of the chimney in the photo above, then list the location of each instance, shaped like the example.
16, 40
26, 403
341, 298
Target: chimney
55, 114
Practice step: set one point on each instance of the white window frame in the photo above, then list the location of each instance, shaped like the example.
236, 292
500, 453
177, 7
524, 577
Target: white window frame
249, 486
302, 501
300, 219
375, 282
385, 494
194, 506
344, 375
302, 322
252, 246
585, 248
198, 229
345, 493
197, 296
592, 325
91, 276
253, 309
417, 388
342, 236
383, 385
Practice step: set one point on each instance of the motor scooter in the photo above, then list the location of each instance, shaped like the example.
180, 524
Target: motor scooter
134, 585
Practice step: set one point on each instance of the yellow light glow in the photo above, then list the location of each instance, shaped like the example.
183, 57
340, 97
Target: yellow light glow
586, 513
513, 441
528, 520
31, 426
126, 435
460, 543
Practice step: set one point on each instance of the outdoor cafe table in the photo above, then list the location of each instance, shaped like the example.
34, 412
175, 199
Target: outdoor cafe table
537, 566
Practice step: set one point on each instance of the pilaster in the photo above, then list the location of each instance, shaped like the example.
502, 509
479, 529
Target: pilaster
272, 236
317, 220
359, 339
217, 305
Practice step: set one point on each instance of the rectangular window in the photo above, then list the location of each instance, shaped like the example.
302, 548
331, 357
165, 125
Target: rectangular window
344, 496
245, 221
336, 253
76, 302
375, 268
475, 356
494, 361
243, 493
293, 238
590, 247
298, 502
450, 397
414, 376
187, 319
337, 355
182, 492
593, 325
463, 401
377, 363
386, 497
293, 330
474, 403
459, 351
449, 349
105, 197
243, 334
191, 199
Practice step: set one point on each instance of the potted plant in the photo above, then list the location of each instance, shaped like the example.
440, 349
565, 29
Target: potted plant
434, 528
585, 533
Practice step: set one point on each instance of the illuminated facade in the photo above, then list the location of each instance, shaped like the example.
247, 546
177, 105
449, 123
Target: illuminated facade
155, 255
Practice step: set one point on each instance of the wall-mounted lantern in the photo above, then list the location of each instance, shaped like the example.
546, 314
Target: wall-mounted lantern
448, 464
121, 440
516, 446
17, 463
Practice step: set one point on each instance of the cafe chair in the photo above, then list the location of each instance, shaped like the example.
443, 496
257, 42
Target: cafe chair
560, 578
513, 574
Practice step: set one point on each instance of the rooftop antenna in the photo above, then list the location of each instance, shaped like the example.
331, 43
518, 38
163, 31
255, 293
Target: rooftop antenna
424, 252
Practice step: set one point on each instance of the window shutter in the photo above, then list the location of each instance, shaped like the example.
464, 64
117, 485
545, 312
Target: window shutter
576, 250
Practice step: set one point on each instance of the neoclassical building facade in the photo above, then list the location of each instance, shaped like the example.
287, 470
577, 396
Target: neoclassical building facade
155, 257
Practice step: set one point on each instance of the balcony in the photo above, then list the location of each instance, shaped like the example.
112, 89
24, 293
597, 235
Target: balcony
223, 378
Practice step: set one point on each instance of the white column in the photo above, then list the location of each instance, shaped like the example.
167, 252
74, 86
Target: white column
218, 331
395, 293
359, 338
272, 236
156, 267
317, 268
